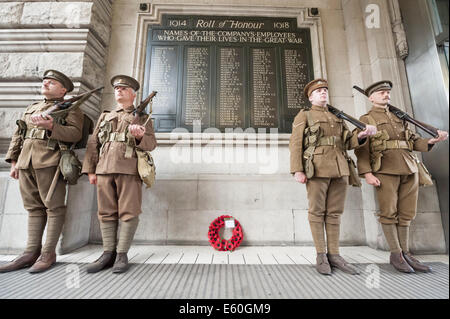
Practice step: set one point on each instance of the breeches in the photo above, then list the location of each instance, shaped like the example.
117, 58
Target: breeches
119, 196
397, 198
326, 197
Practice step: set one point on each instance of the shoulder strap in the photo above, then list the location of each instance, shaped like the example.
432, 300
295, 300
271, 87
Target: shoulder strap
309, 118
371, 120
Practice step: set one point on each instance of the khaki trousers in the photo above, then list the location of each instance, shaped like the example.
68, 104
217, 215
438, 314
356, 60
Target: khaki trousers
397, 198
326, 198
119, 196
34, 186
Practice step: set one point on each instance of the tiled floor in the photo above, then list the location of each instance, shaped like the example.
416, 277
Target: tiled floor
266, 255
200, 272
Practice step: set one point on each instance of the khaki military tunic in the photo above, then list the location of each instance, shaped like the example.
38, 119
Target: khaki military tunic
327, 188
37, 163
397, 195
119, 187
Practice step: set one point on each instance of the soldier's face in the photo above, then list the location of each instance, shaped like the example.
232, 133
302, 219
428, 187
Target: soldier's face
382, 97
124, 95
52, 89
319, 97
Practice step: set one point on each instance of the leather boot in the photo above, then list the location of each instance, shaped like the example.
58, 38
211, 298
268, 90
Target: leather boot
322, 266
45, 261
121, 263
340, 263
415, 264
400, 263
22, 261
106, 260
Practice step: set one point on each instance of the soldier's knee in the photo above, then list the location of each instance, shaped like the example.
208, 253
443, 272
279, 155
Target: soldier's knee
55, 212
37, 212
316, 217
334, 220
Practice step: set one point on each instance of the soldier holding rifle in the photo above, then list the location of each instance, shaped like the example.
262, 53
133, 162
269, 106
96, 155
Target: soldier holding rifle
318, 158
34, 154
386, 161
111, 164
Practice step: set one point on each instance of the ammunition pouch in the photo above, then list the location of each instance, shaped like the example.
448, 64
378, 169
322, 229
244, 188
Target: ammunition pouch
312, 135
409, 139
308, 156
58, 118
22, 125
146, 167
130, 141
378, 144
104, 133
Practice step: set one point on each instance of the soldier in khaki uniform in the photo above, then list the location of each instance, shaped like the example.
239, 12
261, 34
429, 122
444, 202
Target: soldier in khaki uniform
111, 163
386, 161
318, 158
34, 156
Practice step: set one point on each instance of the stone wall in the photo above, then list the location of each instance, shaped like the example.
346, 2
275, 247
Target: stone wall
271, 207
193, 185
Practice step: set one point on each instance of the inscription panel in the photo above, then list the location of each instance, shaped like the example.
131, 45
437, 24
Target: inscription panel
263, 88
163, 79
197, 84
228, 72
230, 88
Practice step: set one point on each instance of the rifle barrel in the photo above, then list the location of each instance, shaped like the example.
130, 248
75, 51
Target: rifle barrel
344, 116
405, 116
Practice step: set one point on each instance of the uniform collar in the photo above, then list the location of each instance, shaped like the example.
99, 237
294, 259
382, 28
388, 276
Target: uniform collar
379, 109
53, 100
318, 108
120, 109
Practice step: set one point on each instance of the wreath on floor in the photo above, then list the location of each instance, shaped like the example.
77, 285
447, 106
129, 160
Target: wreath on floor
223, 244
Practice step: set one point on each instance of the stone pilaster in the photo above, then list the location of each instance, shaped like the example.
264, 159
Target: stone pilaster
376, 53
72, 37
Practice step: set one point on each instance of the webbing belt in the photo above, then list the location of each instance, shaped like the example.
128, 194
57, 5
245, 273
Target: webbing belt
35, 133
329, 141
394, 144
117, 137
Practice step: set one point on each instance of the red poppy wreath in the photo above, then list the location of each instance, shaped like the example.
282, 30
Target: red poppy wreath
223, 244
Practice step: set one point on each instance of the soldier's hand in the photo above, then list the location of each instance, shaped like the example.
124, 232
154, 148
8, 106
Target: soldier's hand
372, 180
300, 177
14, 172
42, 121
92, 178
137, 131
443, 135
369, 131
